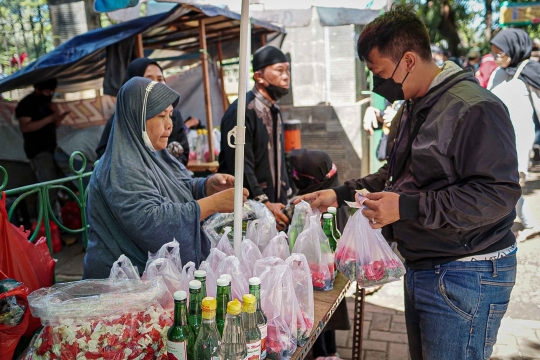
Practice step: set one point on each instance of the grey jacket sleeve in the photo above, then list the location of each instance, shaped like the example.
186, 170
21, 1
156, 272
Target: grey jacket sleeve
483, 149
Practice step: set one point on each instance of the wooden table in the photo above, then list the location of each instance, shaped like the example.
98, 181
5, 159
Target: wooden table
326, 303
201, 166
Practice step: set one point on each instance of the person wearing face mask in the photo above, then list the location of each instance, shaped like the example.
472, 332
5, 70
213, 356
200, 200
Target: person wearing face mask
517, 83
38, 121
139, 196
265, 172
150, 69
447, 194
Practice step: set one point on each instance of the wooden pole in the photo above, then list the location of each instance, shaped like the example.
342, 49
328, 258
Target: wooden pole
206, 83
139, 50
224, 97
263, 40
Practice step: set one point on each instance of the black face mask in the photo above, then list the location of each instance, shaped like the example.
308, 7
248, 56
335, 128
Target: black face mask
276, 92
388, 88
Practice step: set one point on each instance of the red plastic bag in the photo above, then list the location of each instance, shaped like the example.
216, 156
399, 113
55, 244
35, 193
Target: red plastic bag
55, 234
10, 335
71, 215
23, 261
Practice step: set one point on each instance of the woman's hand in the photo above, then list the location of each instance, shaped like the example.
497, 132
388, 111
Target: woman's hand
320, 199
218, 182
222, 202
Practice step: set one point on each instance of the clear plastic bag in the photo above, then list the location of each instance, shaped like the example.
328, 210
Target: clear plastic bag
188, 274
170, 251
313, 243
364, 255
266, 264
214, 227
14, 314
278, 247
303, 287
211, 279
250, 255
167, 271
302, 212
215, 258
123, 269
224, 244
278, 299
262, 230
239, 285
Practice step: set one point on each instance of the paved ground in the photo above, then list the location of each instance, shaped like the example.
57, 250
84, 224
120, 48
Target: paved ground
385, 335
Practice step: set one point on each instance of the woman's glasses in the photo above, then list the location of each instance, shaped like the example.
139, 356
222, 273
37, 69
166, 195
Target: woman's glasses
499, 55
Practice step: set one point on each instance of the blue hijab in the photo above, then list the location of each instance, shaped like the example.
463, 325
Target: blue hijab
140, 199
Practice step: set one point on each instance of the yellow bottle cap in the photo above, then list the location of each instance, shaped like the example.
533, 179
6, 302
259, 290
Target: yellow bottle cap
209, 306
234, 307
249, 303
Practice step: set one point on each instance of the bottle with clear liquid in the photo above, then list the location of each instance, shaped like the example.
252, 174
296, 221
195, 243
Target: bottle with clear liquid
260, 316
337, 234
209, 341
223, 298
200, 145
251, 330
180, 338
233, 344
201, 276
195, 311
328, 229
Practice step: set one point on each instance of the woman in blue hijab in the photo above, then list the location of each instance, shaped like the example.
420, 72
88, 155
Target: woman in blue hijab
140, 197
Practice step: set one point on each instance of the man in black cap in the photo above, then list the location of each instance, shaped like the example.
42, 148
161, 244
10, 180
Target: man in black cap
38, 123
265, 174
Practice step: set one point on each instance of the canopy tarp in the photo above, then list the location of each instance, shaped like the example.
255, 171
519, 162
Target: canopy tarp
79, 63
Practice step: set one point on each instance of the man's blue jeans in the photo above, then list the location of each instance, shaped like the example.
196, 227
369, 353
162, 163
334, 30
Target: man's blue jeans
453, 312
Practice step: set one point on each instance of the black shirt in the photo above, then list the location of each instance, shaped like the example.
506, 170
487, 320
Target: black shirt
44, 139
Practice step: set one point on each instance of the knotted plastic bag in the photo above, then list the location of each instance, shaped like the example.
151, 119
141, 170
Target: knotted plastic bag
278, 247
123, 269
224, 244
262, 230
211, 279
239, 285
302, 212
188, 274
301, 276
364, 255
171, 276
313, 243
170, 251
215, 258
14, 314
250, 255
266, 264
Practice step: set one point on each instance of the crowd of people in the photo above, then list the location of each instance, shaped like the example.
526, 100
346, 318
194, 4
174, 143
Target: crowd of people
448, 193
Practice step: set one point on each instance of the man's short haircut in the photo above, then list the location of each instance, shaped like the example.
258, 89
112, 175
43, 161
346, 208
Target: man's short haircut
49, 84
394, 33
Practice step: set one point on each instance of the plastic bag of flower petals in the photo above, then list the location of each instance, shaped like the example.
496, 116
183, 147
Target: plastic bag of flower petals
364, 255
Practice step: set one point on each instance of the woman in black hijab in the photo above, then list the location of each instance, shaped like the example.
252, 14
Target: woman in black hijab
313, 170
512, 49
150, 69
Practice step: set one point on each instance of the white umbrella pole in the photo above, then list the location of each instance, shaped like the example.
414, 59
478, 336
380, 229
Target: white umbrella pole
240, 135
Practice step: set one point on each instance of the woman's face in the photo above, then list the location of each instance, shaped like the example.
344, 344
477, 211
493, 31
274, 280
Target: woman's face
501, 59
153, 73
159, 128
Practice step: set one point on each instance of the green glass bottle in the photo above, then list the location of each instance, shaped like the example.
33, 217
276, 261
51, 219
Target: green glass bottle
223, 298
251, 330
233, 346
201, 276
195, 312
262, 322
328, 229
337, 234
209, 341
180, 338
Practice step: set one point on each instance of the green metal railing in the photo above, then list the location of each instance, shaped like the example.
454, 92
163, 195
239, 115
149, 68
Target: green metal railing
45, 211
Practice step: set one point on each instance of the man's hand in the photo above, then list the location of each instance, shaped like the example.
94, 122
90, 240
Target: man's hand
59, 118
320, 199
383, 209
218, 182
192, 122
281, 219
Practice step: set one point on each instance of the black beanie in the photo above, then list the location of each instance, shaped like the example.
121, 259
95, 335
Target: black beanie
268, 55
49, 84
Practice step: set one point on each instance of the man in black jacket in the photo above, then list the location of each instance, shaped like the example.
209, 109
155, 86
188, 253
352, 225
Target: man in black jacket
447, 195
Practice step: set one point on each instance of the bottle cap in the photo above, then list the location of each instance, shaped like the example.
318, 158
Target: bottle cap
180, 295
254, 281
195, 284
328, 216
249, 303
223, 282
209, 304
234, 307
200, 274
332, 210
226, 276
